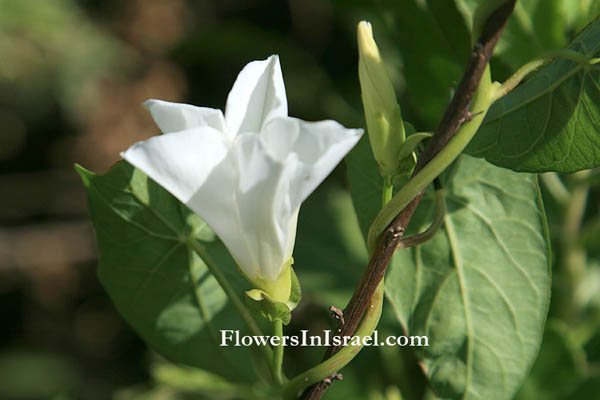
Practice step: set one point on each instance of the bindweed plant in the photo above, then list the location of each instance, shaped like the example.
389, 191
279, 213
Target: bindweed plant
197, 227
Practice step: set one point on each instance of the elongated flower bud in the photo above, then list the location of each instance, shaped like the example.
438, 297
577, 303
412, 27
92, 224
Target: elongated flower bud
382, 112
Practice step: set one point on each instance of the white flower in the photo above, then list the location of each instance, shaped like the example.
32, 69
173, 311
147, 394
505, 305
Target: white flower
245, 173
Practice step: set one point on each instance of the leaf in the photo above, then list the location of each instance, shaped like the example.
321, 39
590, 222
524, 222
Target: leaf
552, 121
480, 288
158, 284
558, 369
189, 379
479, 193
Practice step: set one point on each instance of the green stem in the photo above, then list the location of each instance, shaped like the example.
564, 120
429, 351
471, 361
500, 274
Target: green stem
342, 357
387, 191
333, 364
531, 66
518, 76
438, 221
556, 188
278, 353
483, 99
574, 262
569, 54
231, 294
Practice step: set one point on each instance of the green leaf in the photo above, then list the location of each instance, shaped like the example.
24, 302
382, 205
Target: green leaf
552, 121
191, 380
499, 233
480, 288
157, 283
558, 369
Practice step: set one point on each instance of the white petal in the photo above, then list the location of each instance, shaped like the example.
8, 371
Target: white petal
241, 193
257, 96
267, 217
196, 167
174, 117
318, 146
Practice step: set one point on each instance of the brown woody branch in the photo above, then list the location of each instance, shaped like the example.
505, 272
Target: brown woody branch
455, 115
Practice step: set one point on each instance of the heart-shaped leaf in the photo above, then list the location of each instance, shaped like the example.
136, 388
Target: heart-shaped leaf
480, 288
158, 284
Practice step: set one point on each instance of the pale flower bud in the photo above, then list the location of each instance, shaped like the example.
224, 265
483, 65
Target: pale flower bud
382, 112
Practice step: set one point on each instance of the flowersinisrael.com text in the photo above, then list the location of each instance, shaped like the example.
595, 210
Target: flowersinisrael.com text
231, 337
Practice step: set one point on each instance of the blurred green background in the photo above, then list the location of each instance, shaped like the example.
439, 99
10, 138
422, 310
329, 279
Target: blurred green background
73, 75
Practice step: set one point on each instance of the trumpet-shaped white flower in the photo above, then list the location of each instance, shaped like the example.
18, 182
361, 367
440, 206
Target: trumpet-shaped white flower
245, 173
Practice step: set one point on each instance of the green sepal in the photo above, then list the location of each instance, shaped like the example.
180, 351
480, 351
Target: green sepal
296, 292
405, 166
280, 288
406, 155
411, 143
261, 303
405, 159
